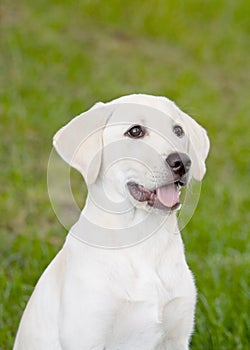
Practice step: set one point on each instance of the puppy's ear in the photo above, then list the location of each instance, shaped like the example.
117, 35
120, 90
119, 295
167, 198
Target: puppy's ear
198, 146
79, 142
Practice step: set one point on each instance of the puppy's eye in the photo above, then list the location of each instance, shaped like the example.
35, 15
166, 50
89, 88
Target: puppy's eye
178, 130
136, 132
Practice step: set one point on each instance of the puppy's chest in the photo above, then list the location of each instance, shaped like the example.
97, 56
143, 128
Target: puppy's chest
142, 294
148, 290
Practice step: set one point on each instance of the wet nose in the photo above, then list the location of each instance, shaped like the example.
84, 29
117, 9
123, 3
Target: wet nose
179, 163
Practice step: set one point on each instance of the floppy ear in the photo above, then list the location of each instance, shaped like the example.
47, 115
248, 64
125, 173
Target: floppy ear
198, 146
79, 142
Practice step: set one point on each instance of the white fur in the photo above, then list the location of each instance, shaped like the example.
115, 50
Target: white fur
137, 298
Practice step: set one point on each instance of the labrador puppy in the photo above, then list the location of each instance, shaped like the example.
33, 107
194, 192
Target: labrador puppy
121, 281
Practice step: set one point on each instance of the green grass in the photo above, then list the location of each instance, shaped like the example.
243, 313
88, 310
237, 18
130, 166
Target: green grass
57, 59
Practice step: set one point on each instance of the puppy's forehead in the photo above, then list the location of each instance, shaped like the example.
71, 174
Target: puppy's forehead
130, 114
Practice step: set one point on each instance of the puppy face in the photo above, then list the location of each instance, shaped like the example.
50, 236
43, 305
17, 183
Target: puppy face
138, 147
149, 154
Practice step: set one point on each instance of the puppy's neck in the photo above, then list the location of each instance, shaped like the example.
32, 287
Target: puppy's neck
118, 223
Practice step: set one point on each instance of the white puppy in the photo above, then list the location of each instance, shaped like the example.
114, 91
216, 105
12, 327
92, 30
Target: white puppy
121, 281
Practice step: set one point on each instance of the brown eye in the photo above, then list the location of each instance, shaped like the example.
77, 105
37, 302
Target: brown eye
178, 131
136, 132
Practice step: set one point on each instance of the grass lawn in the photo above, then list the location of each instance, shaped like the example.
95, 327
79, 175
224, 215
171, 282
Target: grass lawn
56, 60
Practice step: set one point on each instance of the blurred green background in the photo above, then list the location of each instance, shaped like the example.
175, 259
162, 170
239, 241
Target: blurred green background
58, 58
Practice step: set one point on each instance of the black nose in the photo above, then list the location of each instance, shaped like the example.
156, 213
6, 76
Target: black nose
179, 163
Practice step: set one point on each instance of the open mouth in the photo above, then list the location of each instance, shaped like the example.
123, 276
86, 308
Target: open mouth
165, 197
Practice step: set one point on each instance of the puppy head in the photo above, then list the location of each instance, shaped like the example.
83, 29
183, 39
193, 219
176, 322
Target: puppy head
128, 141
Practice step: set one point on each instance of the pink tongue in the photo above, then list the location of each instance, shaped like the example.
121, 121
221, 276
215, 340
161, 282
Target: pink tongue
168, 195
